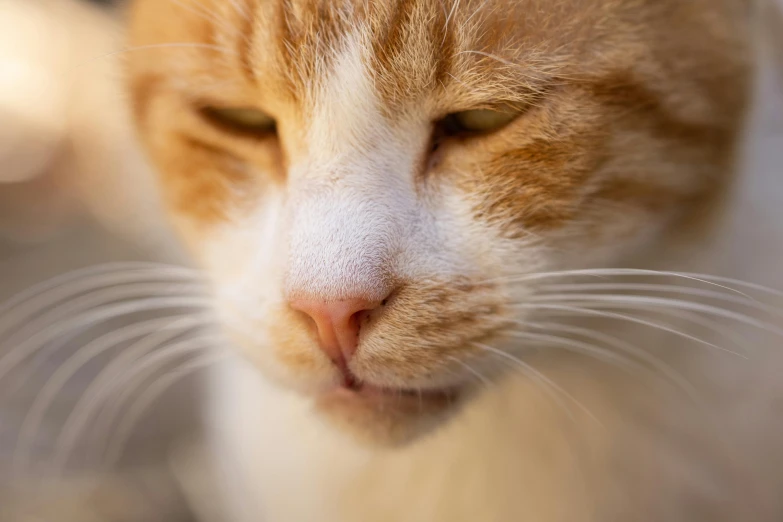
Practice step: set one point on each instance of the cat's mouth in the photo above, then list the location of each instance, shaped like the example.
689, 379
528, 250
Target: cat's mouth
385, 415
352, 388
371, 391
369, 394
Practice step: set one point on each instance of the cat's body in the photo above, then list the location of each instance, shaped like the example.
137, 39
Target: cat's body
624, 139
510, 458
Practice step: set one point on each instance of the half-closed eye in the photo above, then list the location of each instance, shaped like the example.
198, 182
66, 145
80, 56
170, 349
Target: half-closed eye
477, 121
242, 120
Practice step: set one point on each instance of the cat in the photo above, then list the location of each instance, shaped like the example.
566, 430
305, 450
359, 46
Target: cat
411, 213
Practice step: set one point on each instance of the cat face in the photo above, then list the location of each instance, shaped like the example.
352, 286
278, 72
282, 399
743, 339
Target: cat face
367, 183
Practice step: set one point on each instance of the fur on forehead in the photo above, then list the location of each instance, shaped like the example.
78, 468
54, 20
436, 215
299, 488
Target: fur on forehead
483, 53
622, 65
469, 53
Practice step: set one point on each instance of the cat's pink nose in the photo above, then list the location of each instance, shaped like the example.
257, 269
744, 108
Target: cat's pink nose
338, 324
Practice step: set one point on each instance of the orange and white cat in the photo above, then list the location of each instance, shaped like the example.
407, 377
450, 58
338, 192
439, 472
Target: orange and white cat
392, 199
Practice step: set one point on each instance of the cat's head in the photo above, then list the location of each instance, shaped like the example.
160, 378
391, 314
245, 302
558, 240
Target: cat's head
367, 183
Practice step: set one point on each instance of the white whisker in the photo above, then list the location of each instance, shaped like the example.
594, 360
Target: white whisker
68, 301
481, 377
92, 301
567, 289
98, 390
615, 342
129, 380
648, 301
84, 274
577, 346
577, 310
550, 387
18, 352
151, 393
78, 297
46, 397
708, 323
713, 280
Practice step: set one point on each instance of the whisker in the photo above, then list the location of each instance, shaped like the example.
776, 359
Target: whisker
661, 302
39, 357
88, 302
45, 398
90, 401
742, 300
713, 280
150, 395
577, 310
93, 297
547, 384
95, 270
82, 295
582, 347
480, 376
130, 380
18, 352
666, 370
721, 330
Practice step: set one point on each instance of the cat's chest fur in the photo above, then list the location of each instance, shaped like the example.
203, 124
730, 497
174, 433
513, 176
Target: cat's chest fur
514, 455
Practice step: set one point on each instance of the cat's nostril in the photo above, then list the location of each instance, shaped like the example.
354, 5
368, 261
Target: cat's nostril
363, 317
337, 323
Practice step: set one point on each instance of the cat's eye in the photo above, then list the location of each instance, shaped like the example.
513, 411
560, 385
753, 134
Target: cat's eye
478, 121
243, 120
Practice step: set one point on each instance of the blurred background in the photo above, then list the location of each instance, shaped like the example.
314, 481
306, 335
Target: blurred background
75, 193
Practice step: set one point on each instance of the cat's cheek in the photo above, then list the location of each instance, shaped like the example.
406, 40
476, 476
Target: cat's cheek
267, 333
243, 259
282, 354
206, 195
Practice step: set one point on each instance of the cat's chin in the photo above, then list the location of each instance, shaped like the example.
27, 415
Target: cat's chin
383, 417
